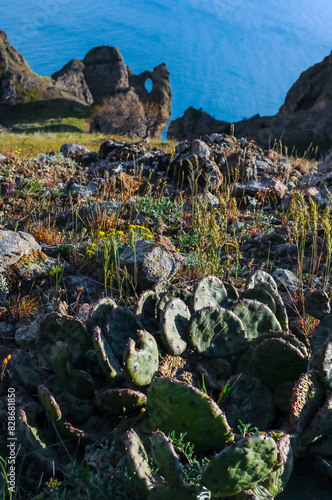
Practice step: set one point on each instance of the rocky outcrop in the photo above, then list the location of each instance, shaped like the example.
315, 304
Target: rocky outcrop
71, 78
100, 76
305, 117
105, 72
20, 85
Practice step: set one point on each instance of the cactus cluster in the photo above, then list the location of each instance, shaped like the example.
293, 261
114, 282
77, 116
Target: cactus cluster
86, 377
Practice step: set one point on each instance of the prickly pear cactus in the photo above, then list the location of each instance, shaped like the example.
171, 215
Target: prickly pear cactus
106, 357
256, 317
249, 401
166, 459
321, 333
121, 326
217, 332
146, 310
275, 360
309, 394
141, 364
174, 325
321, 361
276, 482
317, 304
121, 400
209, 292
172, 405
259, 277
319, 427
100, 313
138, 464
241, 465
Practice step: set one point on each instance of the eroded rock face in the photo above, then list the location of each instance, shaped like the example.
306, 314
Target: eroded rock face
105, 72
71, 78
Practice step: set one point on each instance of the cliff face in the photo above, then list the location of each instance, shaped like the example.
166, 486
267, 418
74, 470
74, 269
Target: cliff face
304, 118
101, 75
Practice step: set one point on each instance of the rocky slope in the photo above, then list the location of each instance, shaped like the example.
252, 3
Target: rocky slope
304, 118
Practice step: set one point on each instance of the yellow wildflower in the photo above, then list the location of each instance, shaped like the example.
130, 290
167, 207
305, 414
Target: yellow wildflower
101, 233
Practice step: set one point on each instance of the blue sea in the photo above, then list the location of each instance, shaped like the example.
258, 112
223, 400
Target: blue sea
233, 58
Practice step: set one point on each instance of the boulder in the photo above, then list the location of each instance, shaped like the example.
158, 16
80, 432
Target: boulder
105, 72
14, 245
154, 262
70, 150
71, 78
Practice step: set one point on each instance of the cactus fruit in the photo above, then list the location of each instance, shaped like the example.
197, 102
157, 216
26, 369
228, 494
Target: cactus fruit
141, 364
308, 395
259, 277
177, 406
256, 317
317, 304
106, 358
276, 360
241, 465
174, 324
138, 464
249, 401
166, 459
209, 292
217, 332
121, 400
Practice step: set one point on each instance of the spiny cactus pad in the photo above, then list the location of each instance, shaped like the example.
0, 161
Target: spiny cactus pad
256, 317
146, 310
106, 358
122, 325
177, 406
55, 327
209, 292
276, 360
77, 382
321, 333
276, 482
166, 459
308, 395
174, 325
320, 426
138, 462
141, 364
249, 401
217, 332
259, 277
121, 400
240, 466
100, 313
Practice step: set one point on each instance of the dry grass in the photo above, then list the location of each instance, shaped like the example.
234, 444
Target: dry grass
30, 145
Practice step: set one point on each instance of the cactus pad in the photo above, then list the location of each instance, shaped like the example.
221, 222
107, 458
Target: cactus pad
256, 317
261, 277
209, 292
177, 406
138, 462
308, 395
121, 400
217, 332
141, 364
105, 355
240, 466
166, 459
276, 360
174, 325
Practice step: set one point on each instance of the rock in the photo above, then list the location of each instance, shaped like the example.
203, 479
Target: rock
154, 262
71, 78
210, 176
326, 166
71, 150
14, 245
200, 149
195, 124
26, 334
6, 332
84, 191
3, 130
274, 189
2, 157
286, 278
208, 199
317, 304
105, 72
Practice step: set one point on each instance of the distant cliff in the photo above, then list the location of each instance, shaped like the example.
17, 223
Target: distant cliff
304, 118
77, 86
